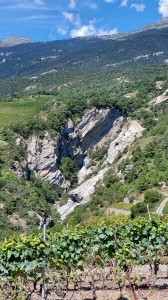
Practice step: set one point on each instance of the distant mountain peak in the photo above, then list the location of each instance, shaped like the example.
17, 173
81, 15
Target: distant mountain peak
14, 40
163, 19
162, 23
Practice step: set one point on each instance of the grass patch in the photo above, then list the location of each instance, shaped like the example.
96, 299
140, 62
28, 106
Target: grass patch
122, 205
165, 209
131, 95
142, 142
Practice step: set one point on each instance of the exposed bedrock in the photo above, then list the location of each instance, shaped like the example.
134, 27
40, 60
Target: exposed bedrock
98, 125
43, 155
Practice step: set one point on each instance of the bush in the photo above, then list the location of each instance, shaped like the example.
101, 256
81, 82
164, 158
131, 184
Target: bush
98, 155
67, 167
152, 196
138, 209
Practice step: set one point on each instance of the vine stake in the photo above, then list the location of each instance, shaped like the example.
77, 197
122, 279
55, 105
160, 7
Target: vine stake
44, 239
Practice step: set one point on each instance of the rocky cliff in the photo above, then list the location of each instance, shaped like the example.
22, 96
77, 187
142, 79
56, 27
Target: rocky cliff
95, 125
43, 155
93, 131
129, 131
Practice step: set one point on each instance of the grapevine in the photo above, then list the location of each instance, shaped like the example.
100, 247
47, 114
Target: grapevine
76, 251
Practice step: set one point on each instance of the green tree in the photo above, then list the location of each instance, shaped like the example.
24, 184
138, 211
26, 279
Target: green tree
152, 196
138, 209
68, 168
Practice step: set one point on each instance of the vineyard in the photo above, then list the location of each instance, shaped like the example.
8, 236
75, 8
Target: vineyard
80, 257
14, 112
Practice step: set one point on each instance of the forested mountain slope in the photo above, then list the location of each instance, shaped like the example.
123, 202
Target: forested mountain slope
93, 54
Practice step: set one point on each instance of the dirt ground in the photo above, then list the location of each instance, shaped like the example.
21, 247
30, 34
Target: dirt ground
111, 291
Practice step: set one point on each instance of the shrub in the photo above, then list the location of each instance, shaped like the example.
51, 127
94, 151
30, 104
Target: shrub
138, 209
67, 167
152, 196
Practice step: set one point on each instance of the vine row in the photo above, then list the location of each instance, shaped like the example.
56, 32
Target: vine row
28, 259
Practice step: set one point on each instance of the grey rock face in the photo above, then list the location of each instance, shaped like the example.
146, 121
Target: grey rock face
69, 143
43, 158
99, 123
66, 209
88, 116
92, 127
14, 40
83, 192
128, 134
80, 195
22, 170
43, 155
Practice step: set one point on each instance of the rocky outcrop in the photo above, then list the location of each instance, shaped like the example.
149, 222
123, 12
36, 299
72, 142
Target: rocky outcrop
97, 128
66, 209
128, 134
86, 189
83, 192
70, 142
43, 155
14, 40
21, 169
160, 99
43, 158
98, 124
80, 195
93, 126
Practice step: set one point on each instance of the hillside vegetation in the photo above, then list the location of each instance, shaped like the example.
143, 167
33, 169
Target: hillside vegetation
82, 55
48, 109
45, 84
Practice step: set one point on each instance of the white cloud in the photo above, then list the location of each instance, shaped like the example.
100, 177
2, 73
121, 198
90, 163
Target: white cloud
83, 31
110, 1
90, 29
102, 31
138, 7
62, 30
124, 3
90, 4
68, 16
77, 20
34, 17
39, 2
74, 19
163, 8
27, 5
72, 4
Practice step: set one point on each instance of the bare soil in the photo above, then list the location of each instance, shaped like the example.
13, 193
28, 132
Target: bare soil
108, 290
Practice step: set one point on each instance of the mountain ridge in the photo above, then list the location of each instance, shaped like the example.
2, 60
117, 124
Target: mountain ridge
14, 40
161, 23
93, 54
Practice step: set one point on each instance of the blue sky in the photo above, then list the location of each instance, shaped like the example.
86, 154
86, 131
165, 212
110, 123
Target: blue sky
46, 20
